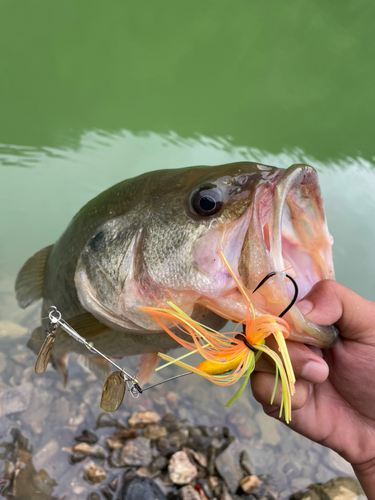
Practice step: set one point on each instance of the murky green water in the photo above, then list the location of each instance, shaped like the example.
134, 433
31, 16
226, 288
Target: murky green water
92, 93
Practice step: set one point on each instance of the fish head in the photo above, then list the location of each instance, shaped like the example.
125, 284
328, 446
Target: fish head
166, 245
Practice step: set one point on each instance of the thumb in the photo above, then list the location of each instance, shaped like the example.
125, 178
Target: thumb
328, 302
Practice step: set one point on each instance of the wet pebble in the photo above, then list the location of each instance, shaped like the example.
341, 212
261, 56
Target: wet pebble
15, 399
126, 434
93, 496
99, 453
340, 488
106, 493
77, 456
13, 330
249, 483
87, 437
159, 464
141, 419
113, 444
172, 423
95, 473
228, 465
105, 420
154, 432
83, 448
135, 452
180, 469
189, 493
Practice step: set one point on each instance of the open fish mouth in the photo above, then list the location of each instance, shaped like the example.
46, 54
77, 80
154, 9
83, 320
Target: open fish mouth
288, 231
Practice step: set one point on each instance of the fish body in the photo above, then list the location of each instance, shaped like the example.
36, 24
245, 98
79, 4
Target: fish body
157, 237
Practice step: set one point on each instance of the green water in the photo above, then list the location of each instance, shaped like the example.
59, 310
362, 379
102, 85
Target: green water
94, 92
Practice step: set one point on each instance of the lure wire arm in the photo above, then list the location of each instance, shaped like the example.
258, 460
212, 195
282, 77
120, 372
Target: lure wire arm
135, 390
56, 319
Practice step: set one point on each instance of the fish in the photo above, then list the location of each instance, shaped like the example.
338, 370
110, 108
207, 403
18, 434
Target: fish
157, 237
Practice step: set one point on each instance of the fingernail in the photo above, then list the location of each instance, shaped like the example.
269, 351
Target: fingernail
315, 372
305, 306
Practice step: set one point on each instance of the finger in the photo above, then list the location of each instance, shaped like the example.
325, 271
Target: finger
328, 302
262, 385
307, 363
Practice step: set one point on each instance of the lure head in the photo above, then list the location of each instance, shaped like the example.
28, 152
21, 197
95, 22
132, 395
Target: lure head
165, 244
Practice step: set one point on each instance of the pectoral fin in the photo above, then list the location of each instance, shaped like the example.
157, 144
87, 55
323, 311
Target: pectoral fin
146, 367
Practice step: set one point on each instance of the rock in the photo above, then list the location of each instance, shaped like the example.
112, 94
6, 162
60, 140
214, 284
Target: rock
180, 469
215, 485
83, 448
189, 493
113, 483
268, 427
13, 330
340, 488
228, 465
3, 362
94, 473
99, 453
105, 420
197, 441
159, 463
93, 496
249, 483
126, 434
106, 493
173, 400
15, 399
138, 488
179, 438
143, 472
335, 462
199, 457
154, 432
211, 457
42, 458
172, 423
77, 456
135, 452
140, 419
246, 463
165, 447
87, 437
113, 444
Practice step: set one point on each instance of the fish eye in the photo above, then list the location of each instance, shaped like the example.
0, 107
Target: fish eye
207, 201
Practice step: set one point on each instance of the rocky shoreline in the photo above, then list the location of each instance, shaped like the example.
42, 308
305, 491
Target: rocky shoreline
168, 459
40, 418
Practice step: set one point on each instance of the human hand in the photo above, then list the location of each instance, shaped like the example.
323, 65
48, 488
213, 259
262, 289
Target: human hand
334, 403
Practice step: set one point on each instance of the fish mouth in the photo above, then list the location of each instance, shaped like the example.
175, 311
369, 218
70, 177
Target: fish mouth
288, 233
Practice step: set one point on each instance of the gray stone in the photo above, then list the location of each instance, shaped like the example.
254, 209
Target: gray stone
246, 463
228, 465
15, 399
135, 452
159, 463
172, 423
180, 469
3, 362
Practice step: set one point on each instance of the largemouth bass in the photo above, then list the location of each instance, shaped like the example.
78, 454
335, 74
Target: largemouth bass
157, 236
